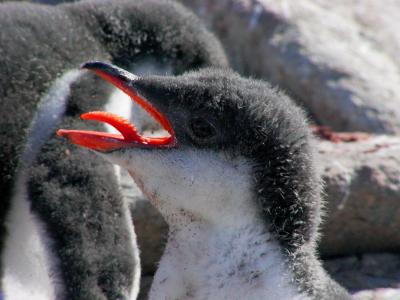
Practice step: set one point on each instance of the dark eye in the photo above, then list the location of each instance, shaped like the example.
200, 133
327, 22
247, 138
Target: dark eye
201, 128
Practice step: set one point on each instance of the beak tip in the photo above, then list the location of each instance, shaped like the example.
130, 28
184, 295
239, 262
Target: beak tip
90, 65
108, 71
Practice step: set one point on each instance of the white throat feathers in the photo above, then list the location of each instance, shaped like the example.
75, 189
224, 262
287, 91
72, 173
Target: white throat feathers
218, 246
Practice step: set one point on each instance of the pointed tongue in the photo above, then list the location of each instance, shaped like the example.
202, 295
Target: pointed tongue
128, 137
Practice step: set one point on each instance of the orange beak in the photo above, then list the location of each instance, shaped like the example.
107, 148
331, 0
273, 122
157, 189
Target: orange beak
129, 136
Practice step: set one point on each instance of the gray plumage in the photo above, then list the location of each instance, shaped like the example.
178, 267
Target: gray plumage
72, 191
220, 111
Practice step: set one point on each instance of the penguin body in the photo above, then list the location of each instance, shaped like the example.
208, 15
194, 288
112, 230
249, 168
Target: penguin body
79, 222
236, 179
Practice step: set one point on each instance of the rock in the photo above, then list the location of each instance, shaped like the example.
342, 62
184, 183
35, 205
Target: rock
362, 187
378, 294
52, 2
145, 285
152, 233
372, 272
150, 227
340, 59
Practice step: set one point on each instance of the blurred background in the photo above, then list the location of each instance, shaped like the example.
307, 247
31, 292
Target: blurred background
340, 60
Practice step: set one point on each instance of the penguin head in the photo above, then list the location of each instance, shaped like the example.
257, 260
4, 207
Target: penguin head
237, 150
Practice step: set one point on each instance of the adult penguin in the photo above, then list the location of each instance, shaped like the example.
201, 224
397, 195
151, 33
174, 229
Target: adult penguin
65, 232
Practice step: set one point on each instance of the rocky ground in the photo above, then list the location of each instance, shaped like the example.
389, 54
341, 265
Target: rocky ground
340, 59
368, 276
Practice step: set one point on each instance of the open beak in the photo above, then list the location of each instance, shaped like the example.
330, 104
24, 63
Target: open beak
129, 136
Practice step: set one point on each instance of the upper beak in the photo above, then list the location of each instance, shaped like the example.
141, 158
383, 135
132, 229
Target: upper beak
129, 136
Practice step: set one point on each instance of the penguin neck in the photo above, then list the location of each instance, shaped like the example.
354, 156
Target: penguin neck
209, 261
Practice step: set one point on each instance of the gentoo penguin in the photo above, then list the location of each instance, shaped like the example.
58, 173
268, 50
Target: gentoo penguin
65, 231
235, 178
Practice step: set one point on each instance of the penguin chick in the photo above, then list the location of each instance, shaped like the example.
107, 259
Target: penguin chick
235, 179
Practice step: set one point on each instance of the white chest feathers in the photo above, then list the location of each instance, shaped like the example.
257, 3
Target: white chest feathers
201, 262
218, 247
29, 266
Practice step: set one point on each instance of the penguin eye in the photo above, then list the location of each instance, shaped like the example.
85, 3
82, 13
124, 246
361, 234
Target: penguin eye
201, 128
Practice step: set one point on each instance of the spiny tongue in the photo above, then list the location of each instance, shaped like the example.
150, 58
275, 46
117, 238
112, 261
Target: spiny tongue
126, 128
